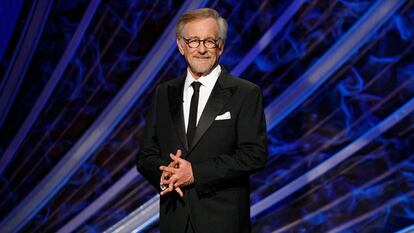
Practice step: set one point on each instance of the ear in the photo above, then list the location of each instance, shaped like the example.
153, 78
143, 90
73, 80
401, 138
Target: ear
221, 49
180, 46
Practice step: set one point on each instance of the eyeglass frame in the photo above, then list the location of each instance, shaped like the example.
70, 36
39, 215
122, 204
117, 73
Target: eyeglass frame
189, 40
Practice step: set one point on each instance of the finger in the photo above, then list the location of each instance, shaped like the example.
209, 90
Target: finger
162, 177
179, 191
178, 183
165, 182
168, 169
163, 192
167, 176
171, 154
178, 153
176, 159
170, 187
172, 179
172, 163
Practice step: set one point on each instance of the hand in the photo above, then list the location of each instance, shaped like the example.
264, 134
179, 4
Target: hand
182, 175
165, 176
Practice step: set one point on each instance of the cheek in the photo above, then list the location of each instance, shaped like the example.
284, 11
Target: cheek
216, 56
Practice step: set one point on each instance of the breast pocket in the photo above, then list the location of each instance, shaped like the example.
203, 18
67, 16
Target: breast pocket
223, 123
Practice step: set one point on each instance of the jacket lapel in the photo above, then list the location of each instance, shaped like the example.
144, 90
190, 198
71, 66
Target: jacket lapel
219, 96
175, 98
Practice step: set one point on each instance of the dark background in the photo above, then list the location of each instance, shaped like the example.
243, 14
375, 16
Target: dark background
57, 85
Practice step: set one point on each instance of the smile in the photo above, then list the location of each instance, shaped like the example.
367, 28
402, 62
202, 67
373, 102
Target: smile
202, 58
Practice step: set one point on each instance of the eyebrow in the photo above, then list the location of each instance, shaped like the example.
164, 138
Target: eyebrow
198, 38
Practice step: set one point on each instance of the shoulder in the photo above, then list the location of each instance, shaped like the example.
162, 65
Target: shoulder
242, 85
175, 83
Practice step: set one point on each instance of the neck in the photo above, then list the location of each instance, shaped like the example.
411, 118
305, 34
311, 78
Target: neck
197, 76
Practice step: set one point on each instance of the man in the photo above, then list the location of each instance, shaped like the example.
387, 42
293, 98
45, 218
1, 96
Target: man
204, 135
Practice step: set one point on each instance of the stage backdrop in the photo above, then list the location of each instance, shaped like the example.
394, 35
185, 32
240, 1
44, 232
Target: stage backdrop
77, 76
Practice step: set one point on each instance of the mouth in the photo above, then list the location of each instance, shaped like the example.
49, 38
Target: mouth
202, 59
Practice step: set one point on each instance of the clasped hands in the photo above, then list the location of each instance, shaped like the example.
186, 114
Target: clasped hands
176, 175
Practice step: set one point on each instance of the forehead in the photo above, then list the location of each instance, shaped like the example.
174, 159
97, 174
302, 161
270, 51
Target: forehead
201, 28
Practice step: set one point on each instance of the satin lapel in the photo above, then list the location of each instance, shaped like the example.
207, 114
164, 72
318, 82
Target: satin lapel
175, 98
218, 98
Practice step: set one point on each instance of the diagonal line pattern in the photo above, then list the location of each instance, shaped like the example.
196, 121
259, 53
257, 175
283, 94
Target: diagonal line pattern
335, 57
314, 78
333, 161
109, 118
22, 213
99, 202
265, 40
309, 82
407, 229
23, 56
50, 86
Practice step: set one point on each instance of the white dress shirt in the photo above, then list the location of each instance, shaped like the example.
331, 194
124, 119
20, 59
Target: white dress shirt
207, 84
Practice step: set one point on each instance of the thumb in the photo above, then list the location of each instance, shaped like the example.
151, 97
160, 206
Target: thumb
178, 153
175, 159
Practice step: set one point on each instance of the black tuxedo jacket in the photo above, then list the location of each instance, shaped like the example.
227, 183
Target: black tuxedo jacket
223, 154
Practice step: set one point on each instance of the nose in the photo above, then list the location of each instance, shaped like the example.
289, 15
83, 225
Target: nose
201, 48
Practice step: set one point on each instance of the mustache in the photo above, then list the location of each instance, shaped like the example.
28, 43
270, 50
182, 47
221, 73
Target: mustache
202, 56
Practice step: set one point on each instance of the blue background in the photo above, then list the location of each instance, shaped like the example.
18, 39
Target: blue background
360, 112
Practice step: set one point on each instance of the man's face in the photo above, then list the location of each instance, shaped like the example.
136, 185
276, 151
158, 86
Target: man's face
201, 60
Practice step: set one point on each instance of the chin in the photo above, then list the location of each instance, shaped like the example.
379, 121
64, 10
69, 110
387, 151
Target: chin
202, 70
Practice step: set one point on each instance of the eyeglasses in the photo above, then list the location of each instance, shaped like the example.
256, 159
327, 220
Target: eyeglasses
208, 43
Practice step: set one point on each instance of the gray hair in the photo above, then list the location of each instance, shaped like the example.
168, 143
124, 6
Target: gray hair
202, 13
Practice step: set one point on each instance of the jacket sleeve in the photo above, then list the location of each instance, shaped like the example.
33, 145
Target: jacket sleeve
250, 153
148, 159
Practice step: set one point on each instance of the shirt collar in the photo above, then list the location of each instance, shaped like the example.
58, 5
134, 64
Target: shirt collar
207, 81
